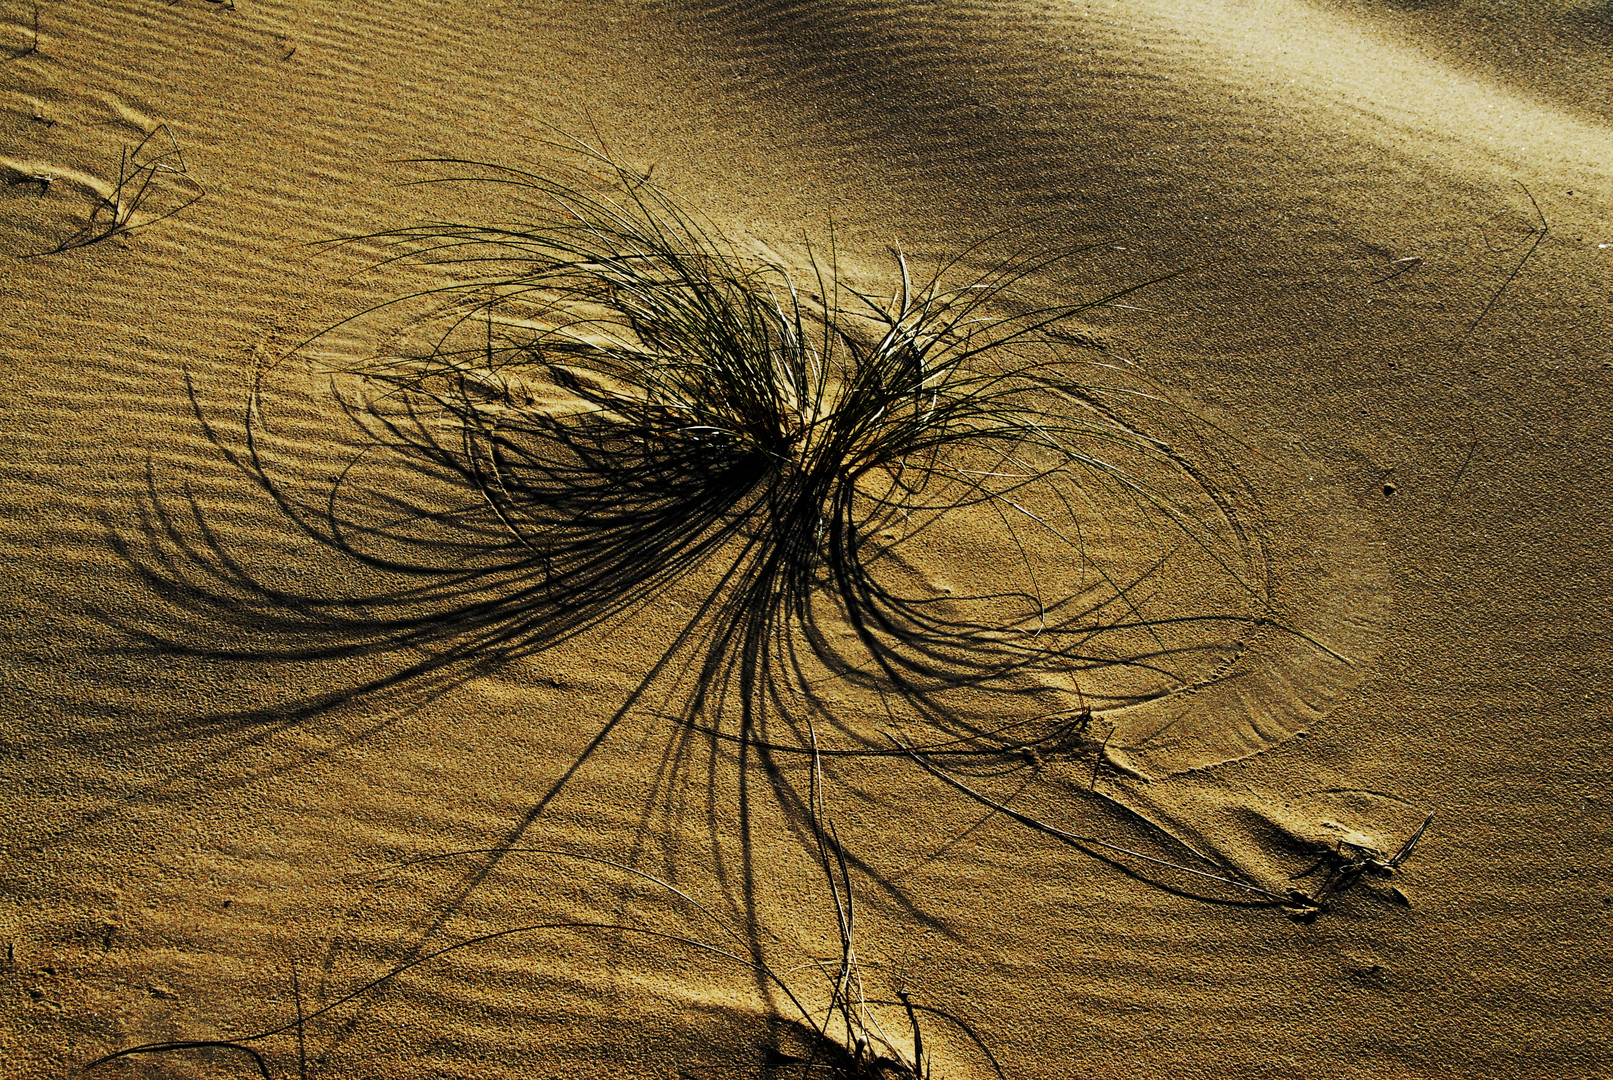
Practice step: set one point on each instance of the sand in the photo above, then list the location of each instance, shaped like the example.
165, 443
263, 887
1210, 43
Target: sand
1388, 230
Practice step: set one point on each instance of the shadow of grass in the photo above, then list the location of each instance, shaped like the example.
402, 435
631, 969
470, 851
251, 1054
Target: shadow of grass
827, 1025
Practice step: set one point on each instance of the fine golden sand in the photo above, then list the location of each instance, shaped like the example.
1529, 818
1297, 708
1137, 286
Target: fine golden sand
1382, 234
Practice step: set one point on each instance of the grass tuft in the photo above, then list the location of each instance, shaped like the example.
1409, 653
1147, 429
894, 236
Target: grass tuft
633, 403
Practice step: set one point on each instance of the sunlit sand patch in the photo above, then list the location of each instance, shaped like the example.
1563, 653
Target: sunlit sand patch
1330, 595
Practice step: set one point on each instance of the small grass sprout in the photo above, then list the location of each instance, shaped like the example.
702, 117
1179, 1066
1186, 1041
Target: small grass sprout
154, 164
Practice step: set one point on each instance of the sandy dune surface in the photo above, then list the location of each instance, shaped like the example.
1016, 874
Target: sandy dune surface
1375, 245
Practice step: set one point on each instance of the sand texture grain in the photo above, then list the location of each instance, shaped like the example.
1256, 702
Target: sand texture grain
245, 773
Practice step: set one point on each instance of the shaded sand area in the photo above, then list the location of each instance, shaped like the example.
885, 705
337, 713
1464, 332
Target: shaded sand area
1376, 245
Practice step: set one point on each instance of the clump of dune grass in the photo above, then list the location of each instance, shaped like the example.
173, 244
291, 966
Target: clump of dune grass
610, 410
634, 405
